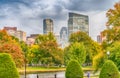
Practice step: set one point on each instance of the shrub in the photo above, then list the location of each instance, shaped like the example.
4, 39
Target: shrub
74, 70
7, 67
109, 70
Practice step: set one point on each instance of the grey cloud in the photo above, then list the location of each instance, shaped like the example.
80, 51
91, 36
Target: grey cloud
28, 15
88, 5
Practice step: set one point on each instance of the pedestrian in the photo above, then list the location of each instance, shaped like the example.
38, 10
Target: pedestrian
55, 75
37, 76
88, 74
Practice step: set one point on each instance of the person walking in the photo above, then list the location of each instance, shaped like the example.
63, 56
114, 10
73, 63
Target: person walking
88, 74
55, 75
37, 76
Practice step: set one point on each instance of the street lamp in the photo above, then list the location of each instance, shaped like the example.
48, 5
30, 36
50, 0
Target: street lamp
25, 65
108, 53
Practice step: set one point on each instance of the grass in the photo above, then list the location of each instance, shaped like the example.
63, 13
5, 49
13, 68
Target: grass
50, 69
40, 69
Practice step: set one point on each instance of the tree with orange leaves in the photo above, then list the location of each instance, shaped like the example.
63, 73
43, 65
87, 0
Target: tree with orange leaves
11, 46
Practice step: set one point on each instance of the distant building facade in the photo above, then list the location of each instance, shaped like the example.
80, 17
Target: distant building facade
11, 30
99, 38
63, 37
47, 26
21, 35
78, 22
64, 33
31, 39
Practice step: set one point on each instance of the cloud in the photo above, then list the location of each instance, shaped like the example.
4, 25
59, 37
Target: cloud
87, 5
28, 15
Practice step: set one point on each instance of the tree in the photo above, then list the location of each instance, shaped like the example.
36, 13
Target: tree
50, 53
8, 44
77, 52
115, 53
80, 37
34, 54
92, 47
46, 52
24, 46
7, 67
73, 70
114, 16
45, 37
112, 33
98, 61
15, 51
109, 70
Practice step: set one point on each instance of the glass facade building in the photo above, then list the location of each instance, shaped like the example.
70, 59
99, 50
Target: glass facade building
47, 26
78, 22
63, 33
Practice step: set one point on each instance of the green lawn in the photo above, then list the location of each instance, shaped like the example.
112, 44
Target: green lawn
50, 69
40, 69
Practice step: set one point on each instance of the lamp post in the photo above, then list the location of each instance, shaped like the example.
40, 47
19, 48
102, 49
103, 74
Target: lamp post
25, 65
108, 53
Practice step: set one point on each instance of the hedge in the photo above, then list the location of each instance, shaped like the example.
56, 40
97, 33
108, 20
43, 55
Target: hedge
109, 70
74, 70
7, 67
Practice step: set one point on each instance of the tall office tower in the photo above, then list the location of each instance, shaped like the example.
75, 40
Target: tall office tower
63, 37
47, 26
78, 22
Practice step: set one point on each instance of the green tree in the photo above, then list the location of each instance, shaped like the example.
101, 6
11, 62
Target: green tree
77, 52
50, 52
46, 37
34, 55
46, 53
92, 47
24, 46
73, 70
7, 67
98, 61
80, 37
115, 53
109, 70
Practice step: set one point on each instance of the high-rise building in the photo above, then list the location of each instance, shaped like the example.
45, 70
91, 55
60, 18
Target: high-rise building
78, 22
63, 34
63, 37
47, 26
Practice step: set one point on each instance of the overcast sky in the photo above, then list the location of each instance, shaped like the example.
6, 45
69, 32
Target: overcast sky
28, 15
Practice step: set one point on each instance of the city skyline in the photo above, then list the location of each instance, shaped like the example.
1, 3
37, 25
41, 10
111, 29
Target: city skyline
28, 15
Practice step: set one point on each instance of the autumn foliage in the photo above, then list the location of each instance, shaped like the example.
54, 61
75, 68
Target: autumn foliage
9, 45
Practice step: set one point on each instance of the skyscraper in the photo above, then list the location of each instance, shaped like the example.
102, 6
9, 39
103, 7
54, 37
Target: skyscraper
47, 26
63, 33
78, 22
63, 37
